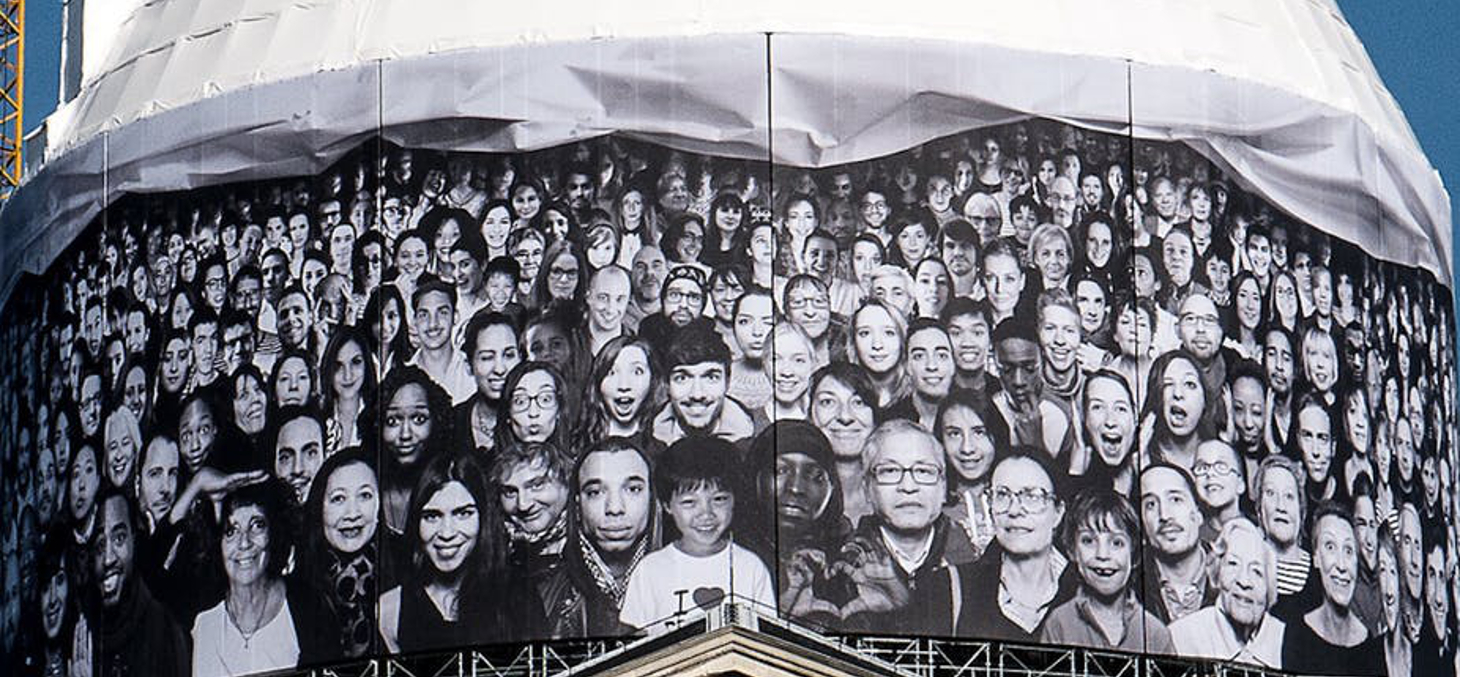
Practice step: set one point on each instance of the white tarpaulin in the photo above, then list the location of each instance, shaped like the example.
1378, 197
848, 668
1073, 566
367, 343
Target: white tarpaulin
1279, 92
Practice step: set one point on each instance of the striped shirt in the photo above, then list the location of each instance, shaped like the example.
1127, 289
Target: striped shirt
1292, 572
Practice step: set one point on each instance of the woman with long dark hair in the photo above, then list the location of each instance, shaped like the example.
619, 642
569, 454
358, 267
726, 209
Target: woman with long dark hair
386, 313
723, 232
348, 387
338, 556
457, 589
536, 406
626, 391
562, 278
1177, 411
415, 426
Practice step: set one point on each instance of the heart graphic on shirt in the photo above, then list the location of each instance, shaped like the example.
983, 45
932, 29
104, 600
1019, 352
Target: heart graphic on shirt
705, 598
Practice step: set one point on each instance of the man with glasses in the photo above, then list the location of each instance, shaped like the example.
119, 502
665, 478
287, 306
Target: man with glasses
875, 211
1062, 202
1200, 328
682, 300
901, 559
1177, 567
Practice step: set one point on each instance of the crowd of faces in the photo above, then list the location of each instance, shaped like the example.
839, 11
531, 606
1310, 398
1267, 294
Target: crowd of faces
1027, 343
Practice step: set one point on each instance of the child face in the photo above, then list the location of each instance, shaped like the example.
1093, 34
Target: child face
1104, 558
702, 516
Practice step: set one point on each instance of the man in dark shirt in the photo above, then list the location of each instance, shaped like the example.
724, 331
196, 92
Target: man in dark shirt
138, 636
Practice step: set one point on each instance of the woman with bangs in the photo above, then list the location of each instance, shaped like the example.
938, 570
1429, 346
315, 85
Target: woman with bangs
723, 231
806, 304
1247, 309
601, 246
1177, 417
727, 284
972, 436
536, 406
562, 277
912, 236
683, 241
1102, 536
627, 391
1282, 302
457, 589
877, 342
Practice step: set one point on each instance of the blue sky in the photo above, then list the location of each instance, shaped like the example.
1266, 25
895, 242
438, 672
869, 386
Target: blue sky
1412, 43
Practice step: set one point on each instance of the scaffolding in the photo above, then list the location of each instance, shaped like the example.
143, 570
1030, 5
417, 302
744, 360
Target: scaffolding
12, 93
911, 656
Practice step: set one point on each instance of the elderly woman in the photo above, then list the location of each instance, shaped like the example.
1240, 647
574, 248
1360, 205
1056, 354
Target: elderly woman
256, 627
457, 590
123, 443
1331, 639
1102, 535
1281, 508
1011, 590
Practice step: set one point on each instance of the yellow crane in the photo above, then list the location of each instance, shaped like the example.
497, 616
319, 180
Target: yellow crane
12, 88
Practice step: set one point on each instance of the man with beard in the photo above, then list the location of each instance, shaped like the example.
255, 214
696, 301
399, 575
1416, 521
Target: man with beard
968, 330
930, 368
649, 270
1033, 419
1277, 360
581, 191
1062, 202
435, 317
608, 300
698, 364
492, 340
1199, 325
298, 449
137, 635
532, 486
1238, 626
611, 533
683, 302
960, 254
1177, 568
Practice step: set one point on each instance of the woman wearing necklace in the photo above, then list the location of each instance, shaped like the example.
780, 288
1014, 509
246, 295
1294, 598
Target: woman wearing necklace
257, 626
457, 590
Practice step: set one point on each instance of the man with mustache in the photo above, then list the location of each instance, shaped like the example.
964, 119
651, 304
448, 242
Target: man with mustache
698, 364
682, 303
298, 449
1177, 567
1238, 626
137, 635
1277, 360
960, 253
647, 275
610, 533
1033, 419
435, 317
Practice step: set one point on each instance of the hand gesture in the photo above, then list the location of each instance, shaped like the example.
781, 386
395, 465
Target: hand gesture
876, 578
798, 599
81, 660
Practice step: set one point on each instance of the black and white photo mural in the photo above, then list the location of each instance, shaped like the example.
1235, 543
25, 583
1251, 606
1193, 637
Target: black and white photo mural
1028, 382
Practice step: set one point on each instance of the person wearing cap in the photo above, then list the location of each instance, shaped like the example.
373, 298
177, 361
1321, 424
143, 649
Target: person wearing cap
1033, 418
683, 297
960, 254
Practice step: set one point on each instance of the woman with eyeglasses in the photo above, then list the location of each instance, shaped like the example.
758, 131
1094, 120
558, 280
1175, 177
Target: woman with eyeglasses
1021, 577
535, 399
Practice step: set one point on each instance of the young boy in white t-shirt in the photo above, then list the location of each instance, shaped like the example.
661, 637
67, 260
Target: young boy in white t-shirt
695, 488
